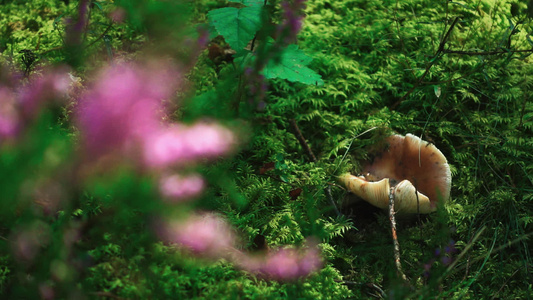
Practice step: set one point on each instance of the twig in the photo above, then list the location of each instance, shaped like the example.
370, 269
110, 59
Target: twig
431, 63
467, 271
89, 45
50, 50
301, 139
255, 36
299, 136
486, 52
350, 146
330, 197
392, 219
505, 283
100, 36
446, 36
336, 185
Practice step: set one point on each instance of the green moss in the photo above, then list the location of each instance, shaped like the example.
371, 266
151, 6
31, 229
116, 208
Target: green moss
372, 55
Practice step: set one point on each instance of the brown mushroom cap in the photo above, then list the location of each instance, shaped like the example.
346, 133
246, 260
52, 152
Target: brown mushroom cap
407, 199
410, 158
376, 193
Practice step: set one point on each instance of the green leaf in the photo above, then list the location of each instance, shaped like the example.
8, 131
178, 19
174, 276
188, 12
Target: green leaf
249, 2
243, 58
237, 25
292, 66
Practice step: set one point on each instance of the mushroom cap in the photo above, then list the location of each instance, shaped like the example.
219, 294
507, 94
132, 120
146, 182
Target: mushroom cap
375, 193
419, 162
408, 200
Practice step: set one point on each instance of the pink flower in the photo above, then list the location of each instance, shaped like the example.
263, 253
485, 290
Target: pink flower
124, 111
206, 234
9, 117
179, 144
177, 188
21, 104
52, 85
124, 107
118, 15
29, 239
46, 291
284, 264
311, 261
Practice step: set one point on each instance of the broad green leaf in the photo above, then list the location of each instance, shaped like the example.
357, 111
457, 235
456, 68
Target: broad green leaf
237, 25
292, 66
243, 58
250, 2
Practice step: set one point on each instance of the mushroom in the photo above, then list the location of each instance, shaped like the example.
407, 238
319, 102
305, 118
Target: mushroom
416, 170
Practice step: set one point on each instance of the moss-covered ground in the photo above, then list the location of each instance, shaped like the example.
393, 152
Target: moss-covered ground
457, 73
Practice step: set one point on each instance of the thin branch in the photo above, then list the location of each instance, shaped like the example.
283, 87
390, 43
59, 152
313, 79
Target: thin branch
50, 50
440, 50
467, 271
92, 43
101, 36
486, 52
505, 283
445, 39
392, 219
330, 197
301, 139
299, 136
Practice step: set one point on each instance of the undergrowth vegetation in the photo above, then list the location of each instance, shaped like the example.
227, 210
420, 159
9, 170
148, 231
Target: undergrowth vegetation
289, 95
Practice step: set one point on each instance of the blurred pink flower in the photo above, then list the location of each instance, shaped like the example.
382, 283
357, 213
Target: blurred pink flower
53, 84
284, 264
29, 239
311, 260
118, 15
9, 117
124, 113
179, 144
206, 234
178, 188
46, 291
289, 264
124, 107
20, 104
